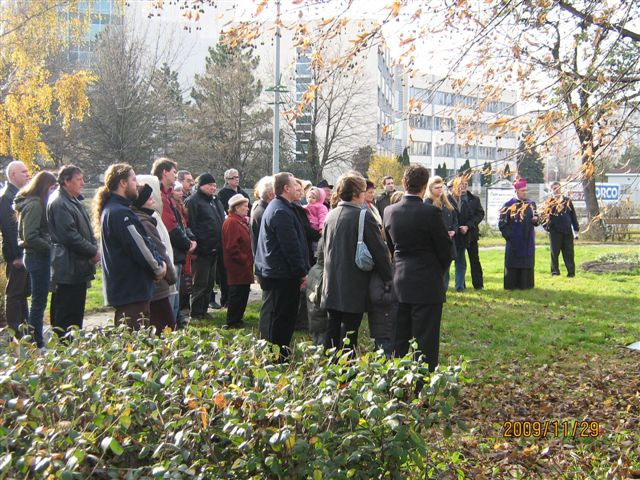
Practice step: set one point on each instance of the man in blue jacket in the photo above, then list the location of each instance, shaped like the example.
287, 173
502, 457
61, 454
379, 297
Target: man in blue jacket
17, 289
281, 263
130, 262
562, 225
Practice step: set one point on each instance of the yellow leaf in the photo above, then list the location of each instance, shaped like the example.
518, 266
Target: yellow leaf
204, 417
395, 8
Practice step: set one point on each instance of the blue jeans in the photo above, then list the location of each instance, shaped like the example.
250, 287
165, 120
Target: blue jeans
175, 299
39, 268
461, 267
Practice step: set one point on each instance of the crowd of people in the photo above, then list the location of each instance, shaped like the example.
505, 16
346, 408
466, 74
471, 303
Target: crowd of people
165, 240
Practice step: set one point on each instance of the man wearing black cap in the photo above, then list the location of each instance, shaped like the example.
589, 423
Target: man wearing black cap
205, 221
323, 184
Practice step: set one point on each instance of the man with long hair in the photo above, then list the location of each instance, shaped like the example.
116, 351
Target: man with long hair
130, 261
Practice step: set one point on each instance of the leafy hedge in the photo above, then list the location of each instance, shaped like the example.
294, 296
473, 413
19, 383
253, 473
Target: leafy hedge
116, 404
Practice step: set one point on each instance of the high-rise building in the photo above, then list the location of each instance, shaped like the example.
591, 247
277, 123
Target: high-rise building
100, 14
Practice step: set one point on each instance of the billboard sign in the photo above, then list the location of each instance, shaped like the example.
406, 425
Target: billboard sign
605, 193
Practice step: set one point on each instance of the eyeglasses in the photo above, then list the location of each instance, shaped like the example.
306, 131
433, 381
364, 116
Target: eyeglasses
234, 178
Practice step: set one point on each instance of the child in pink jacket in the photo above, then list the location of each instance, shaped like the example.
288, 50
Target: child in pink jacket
316, 209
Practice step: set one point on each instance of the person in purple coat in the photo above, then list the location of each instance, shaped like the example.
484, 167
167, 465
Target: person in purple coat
518, 219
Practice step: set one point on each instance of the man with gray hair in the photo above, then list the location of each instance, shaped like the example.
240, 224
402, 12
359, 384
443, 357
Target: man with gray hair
75, 250
187, 181
231, 187
17, 289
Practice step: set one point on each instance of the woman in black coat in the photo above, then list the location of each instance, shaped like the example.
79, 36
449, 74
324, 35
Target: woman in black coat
437, 198
345, 287
461, 239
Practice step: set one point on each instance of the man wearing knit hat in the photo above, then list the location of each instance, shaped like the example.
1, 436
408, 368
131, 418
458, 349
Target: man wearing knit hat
205, 221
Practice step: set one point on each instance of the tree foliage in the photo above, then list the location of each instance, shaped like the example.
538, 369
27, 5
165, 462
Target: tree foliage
362, 159
530, 165
382, 166
31, 33
227, 124
487, 172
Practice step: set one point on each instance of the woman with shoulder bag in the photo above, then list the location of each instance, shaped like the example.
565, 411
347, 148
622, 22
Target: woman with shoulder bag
346, 285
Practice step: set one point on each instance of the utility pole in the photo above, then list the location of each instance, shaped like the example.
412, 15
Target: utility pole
276, 105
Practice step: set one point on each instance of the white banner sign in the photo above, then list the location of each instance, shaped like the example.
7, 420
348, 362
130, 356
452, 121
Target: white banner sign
496, 198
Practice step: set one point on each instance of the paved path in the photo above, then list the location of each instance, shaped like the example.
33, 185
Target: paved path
103, 319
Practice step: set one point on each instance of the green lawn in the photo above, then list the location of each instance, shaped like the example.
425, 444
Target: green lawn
588, 314
554, 353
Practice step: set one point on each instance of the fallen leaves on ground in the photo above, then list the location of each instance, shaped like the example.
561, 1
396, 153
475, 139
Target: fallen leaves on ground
589, 389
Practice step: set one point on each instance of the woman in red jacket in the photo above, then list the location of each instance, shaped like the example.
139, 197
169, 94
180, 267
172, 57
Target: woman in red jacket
238, 259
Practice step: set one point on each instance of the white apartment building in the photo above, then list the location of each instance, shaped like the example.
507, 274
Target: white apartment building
446, 125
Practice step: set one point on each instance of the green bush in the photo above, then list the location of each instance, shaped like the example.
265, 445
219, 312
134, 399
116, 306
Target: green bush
115, 404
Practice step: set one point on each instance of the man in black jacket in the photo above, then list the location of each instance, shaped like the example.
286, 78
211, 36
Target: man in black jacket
421, 247
205, 221
75, 250
231, 187
282, 262
384, 200
475, 214
562, 225
17, 289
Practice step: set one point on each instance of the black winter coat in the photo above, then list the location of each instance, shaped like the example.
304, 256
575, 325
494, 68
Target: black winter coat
450, 219
256, 218
463, 216
226, 193
73, 241
421, 247
475, 216
205, 221
9, 224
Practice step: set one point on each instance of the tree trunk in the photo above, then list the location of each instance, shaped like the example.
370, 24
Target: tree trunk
595, 230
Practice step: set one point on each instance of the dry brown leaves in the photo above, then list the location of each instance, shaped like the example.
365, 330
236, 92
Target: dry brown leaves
587, 389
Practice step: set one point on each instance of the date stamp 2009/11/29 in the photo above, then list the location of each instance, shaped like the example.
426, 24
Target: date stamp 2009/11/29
550, 428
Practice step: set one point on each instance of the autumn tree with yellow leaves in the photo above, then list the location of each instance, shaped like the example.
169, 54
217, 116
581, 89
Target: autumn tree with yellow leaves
31, 34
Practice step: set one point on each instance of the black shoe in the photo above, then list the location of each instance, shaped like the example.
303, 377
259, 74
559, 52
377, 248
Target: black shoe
232, 326
555, 274
479, 288
215, 305
571, 275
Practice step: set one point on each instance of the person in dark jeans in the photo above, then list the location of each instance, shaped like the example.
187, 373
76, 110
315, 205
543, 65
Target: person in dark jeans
561, 222
205, 222
33, 234
18, 286
282, 262
75, 250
